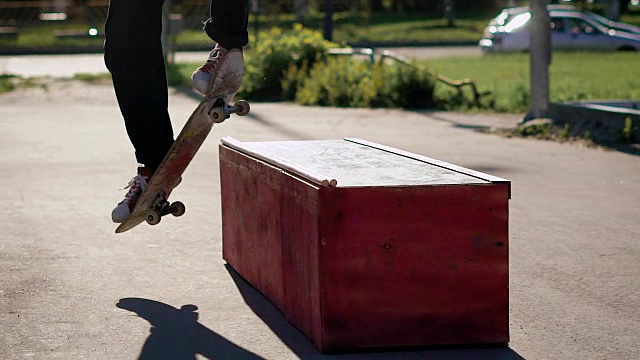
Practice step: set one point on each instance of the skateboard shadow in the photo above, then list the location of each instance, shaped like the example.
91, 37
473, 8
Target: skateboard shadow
303, 348
176, 334
253, 116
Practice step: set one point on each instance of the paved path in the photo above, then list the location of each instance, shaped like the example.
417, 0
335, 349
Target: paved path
72, 289
68, 65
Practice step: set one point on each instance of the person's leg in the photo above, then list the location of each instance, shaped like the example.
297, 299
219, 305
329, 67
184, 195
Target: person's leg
228, 22
223, 70
141, 89
133, 55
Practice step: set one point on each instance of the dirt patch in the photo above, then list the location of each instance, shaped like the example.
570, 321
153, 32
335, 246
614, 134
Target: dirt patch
545, 129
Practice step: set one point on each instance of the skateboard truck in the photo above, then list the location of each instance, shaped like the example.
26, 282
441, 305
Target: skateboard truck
161, 207
222, 111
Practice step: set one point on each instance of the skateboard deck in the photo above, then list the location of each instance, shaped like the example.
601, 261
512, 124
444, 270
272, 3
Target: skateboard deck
154, 200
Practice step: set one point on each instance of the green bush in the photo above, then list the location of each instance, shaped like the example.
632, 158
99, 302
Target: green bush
6, 83
407, 87
336, 82
274, 53
294, 66
628, 130
344, 82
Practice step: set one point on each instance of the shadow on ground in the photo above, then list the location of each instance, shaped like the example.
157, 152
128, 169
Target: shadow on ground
251, 116
488, 128
176, 334
303, 348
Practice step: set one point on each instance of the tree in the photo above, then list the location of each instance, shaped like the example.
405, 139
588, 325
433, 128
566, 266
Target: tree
449, 12
540, 54
612, 9
301, 9
376, 6
327, 25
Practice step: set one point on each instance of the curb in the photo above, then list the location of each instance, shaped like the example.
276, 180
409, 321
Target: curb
396, 44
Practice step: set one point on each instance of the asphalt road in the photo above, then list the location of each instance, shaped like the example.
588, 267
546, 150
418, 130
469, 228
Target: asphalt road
68, 65
72, 289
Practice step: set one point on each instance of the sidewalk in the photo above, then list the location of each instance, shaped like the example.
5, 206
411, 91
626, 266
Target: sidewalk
68, 65
72, 289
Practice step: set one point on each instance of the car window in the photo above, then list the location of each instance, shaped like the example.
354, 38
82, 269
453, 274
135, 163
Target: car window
579, 26
557, 25
600, 19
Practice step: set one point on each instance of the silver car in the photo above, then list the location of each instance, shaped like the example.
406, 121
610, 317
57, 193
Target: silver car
570, 30
508, 14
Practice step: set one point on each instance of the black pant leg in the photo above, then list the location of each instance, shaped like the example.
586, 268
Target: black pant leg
228, 23
133, 55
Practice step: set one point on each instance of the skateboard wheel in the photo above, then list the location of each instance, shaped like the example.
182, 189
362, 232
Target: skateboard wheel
218, 115
244, 107
153, 218
177, 209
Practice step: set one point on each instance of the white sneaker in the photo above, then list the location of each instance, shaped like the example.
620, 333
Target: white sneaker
221, 74
136, 186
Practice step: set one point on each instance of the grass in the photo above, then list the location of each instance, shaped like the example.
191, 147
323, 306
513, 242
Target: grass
573, 76
93, 78
12, 82
405, 28
6, 83
349, 28
43, 36
545, 129
179, 75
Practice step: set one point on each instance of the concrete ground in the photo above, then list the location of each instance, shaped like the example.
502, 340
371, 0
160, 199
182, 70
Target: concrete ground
72, 289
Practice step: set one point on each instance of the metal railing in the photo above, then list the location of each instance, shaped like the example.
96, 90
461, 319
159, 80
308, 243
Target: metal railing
457, 84
386, 54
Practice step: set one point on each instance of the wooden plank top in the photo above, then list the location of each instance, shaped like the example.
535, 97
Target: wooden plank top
364, 164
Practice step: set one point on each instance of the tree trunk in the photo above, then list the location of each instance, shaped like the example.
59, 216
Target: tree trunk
540, 53
301, 9
327, 25
376, 6
612, 9
449, 12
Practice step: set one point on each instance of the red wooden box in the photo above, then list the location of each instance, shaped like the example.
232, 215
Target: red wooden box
364, 246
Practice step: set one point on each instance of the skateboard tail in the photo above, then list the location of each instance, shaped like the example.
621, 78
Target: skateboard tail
130, 224
173, 165
153, 202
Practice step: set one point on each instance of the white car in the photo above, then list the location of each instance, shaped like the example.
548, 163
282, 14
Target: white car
570, 30
508, 14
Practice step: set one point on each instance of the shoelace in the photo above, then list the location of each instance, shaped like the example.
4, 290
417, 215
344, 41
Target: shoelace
212, 61
135, 186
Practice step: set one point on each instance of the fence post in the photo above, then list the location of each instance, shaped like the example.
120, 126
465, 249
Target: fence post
255, 8
166, 12
328, 20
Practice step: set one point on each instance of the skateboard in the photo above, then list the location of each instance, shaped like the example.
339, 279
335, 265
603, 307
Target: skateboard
154, 203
